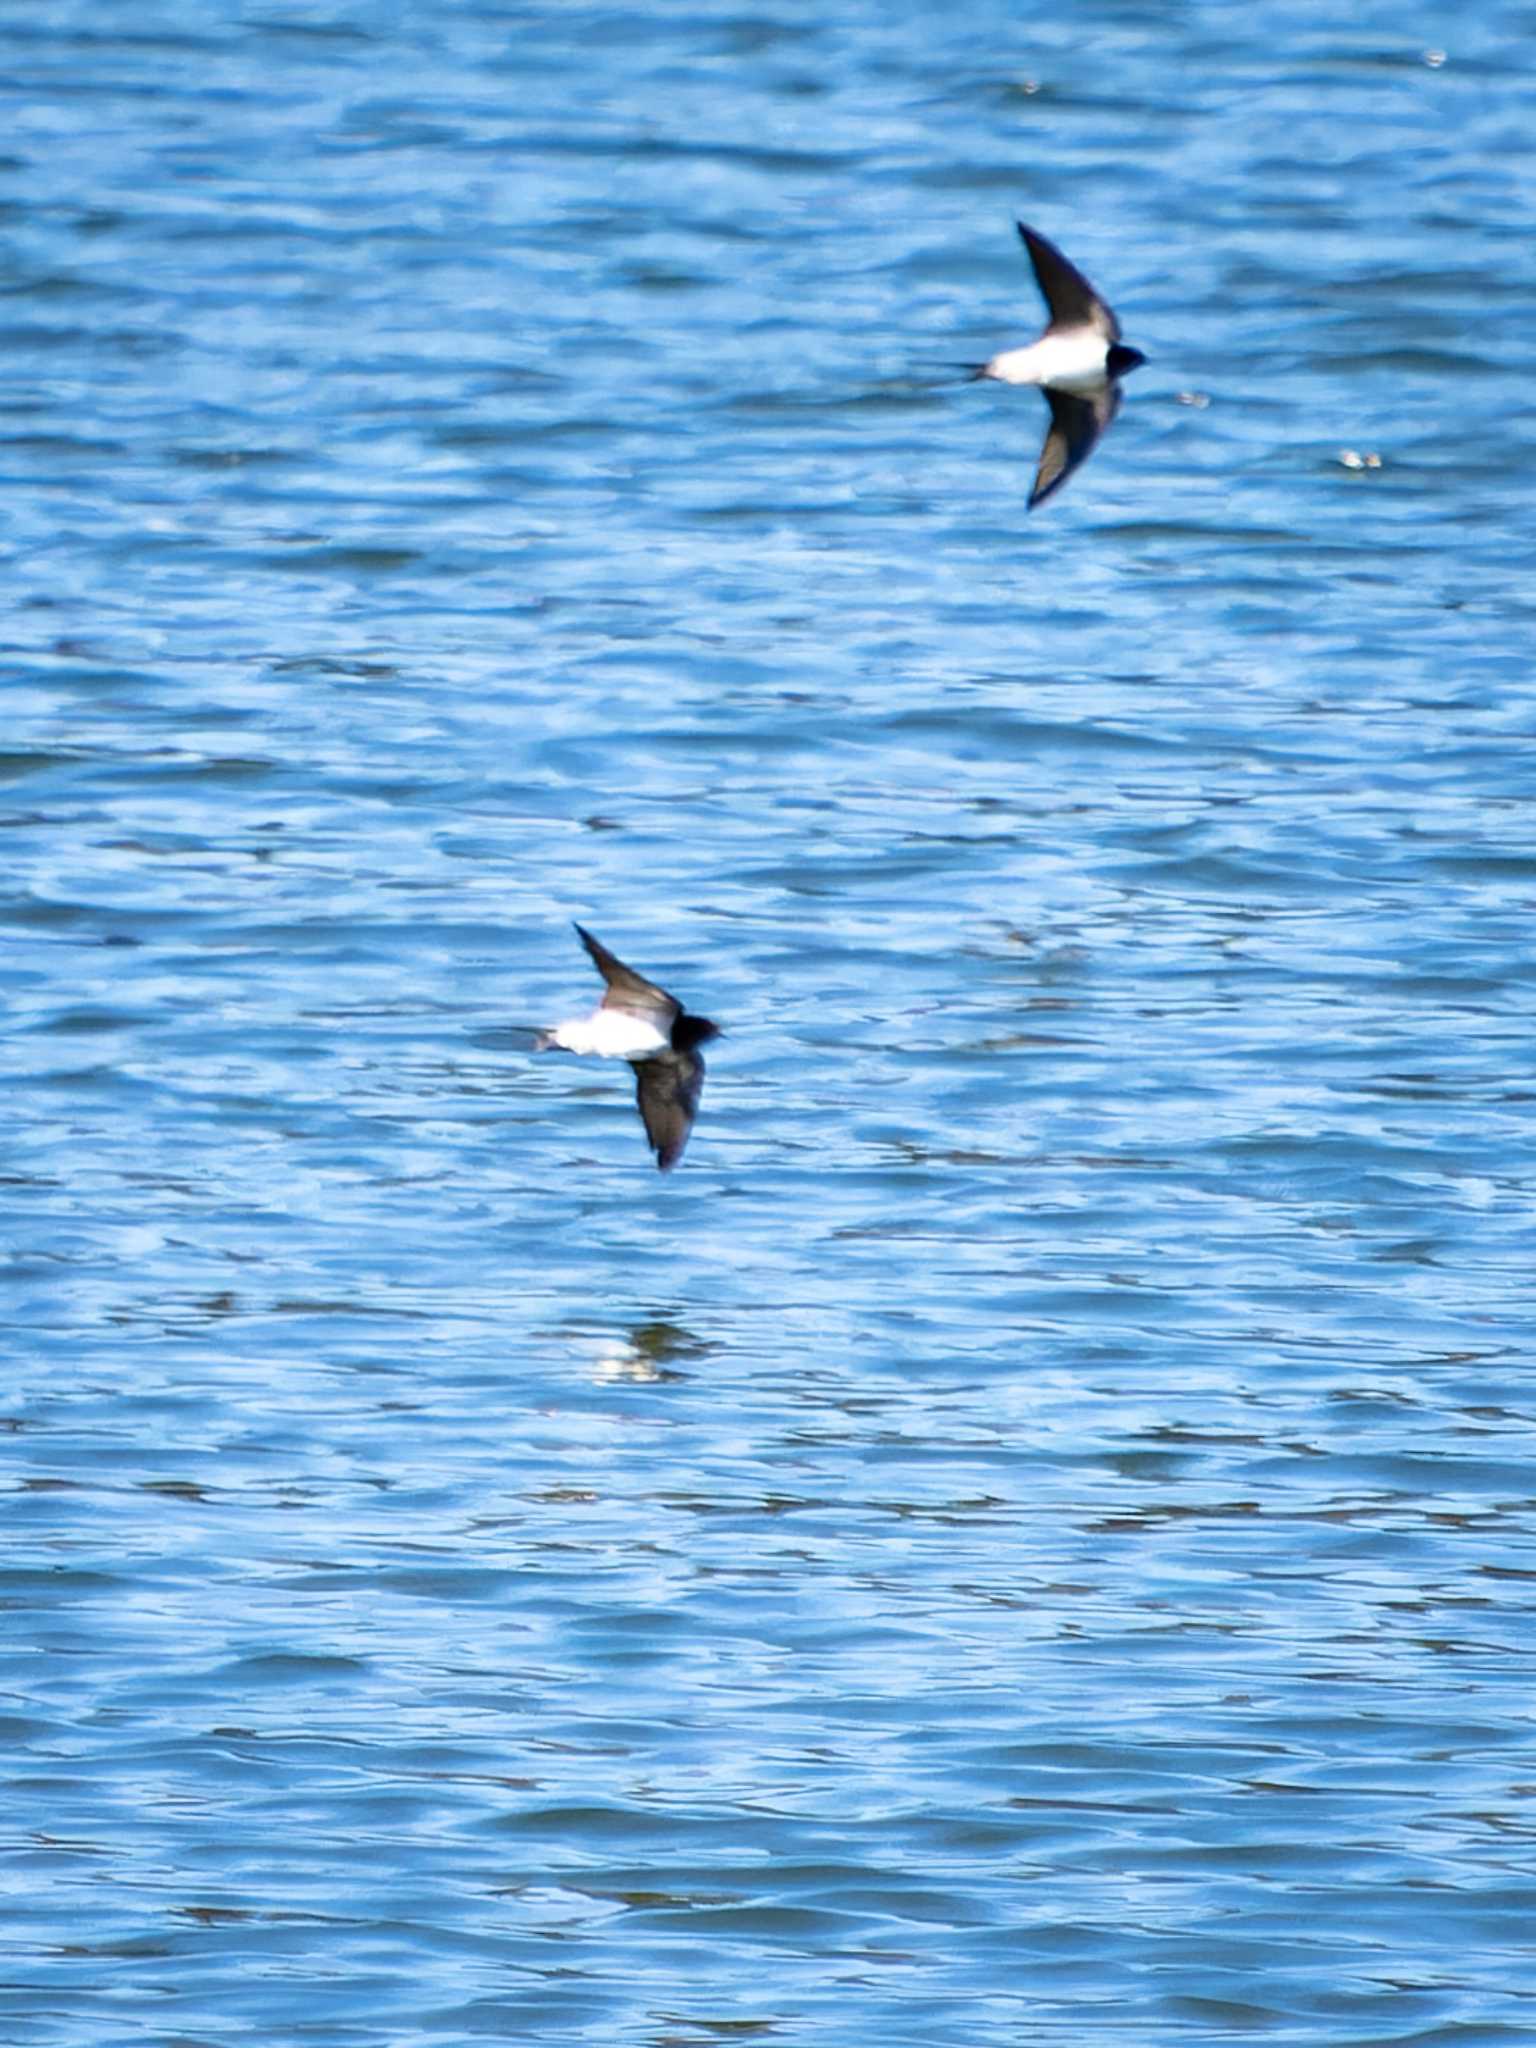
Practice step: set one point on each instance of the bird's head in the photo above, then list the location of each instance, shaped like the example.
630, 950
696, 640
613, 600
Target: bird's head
687, 1032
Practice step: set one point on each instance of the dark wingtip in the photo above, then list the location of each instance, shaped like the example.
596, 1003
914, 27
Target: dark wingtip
1041, 492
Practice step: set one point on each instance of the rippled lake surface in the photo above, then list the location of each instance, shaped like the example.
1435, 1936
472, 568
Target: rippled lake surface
1029, 1535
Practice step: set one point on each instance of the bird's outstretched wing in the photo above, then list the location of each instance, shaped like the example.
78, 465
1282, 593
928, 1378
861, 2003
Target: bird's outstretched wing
1072, 300
1076, 424
667, 1089
626, 989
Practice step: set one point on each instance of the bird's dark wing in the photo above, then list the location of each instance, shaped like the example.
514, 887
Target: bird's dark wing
626, 989
1072, 300
667, 1089
1076, 424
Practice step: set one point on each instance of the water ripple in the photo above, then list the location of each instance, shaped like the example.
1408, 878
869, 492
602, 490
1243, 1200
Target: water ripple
1027, 1535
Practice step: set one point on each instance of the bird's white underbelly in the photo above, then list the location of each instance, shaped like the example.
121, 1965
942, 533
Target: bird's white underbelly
1062, 362
612, 1034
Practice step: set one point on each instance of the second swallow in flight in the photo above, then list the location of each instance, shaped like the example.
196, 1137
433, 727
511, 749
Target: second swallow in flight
1077, 364
641, 1023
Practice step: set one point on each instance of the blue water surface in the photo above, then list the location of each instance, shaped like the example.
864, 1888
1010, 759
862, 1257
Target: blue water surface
1029, 1535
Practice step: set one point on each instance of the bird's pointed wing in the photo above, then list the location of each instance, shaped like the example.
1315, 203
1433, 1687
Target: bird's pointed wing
1072, 300
667, 1090
626, 989
1076, 424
